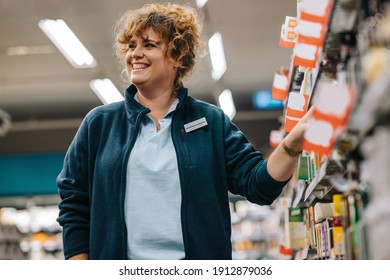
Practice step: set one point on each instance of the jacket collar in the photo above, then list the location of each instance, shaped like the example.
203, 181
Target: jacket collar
133, 108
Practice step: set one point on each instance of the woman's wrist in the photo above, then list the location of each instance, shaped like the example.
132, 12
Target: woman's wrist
290, 151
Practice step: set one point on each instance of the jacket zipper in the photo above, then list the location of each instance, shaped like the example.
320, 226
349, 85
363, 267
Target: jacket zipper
124, 172
180, 167
183, 133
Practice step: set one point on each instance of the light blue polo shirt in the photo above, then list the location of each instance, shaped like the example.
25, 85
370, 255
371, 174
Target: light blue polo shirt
153, 194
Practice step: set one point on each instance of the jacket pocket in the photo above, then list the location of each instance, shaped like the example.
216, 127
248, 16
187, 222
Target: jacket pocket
185, 146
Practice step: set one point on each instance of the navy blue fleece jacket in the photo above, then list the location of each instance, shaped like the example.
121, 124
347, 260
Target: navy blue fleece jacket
212, 160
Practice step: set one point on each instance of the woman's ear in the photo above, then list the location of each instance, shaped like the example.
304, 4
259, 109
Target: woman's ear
178, 64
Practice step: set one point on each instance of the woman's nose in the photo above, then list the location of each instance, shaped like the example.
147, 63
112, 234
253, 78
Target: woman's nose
137, 52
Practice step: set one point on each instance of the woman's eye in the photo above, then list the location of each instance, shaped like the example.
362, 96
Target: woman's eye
150, 45
132, 46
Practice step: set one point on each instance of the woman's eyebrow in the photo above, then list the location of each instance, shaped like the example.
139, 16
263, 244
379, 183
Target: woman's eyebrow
152, 40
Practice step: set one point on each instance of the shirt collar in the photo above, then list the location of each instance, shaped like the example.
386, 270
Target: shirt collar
170, 110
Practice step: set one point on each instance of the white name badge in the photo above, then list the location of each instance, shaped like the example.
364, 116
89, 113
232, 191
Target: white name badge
195, 125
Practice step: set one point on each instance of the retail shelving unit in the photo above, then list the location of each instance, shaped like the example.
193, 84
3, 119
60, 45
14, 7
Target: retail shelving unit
256, 230
28, 228
339, 190
10, 238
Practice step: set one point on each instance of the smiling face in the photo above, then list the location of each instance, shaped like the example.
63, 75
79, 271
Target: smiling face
147, 64
178, 28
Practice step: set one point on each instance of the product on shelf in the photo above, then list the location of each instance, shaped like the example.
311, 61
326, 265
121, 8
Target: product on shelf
340, 64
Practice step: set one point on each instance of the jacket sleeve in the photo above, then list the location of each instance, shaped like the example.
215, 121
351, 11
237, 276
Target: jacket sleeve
247, 169
73, 187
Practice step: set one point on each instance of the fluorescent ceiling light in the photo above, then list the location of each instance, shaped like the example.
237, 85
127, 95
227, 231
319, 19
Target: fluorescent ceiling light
67, 42
106, 91
217, 54
227, 104
30, 50
201, 3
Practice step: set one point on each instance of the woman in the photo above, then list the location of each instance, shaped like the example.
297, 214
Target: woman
148, 178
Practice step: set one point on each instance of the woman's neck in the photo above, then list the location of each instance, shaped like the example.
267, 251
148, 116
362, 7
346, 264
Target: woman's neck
158, 103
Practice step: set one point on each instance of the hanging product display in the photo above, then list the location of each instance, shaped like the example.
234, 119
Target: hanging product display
340, 66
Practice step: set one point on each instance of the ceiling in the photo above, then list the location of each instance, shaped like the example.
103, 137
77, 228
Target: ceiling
47, 98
